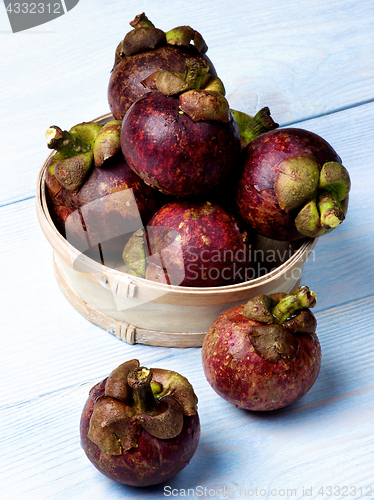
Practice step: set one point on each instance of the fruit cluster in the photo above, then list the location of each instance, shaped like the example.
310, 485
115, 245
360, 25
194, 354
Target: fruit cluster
178, 182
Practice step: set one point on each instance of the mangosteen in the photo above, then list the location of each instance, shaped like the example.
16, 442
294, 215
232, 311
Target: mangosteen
140, 426
292, 185
193, 244
147, 49
264, 354
99, 207
181, 138
250, 127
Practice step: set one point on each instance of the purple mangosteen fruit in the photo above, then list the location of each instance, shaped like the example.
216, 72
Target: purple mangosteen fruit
250, 127
140, 426
264, 355
181, 138
94, 197
292, 185
147, 49
193, 244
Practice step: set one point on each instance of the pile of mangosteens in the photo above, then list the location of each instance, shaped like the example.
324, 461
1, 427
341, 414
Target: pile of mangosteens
180, 185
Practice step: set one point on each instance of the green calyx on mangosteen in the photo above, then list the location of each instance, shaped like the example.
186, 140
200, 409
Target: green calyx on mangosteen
292, 186
107, 144
75, 160
327, 209
274, 337
95, 199
134, 254
79, 149
317, 193
184, 35
201, 96
191, 133
251, 127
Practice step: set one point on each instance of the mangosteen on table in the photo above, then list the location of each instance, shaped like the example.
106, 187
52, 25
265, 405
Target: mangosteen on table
264, 354
194, 244
146, 49
94, 197
181, 137
140, 426
292, 185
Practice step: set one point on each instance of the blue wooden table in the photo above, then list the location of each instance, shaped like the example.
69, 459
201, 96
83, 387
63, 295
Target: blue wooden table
312, 63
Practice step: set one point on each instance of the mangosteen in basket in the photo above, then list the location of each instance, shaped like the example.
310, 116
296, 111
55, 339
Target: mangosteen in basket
250, 127
146, 49
181, 138
193, 244
292, 185
95, 207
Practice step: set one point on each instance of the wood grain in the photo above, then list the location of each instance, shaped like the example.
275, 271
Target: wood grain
303, 60
327, 431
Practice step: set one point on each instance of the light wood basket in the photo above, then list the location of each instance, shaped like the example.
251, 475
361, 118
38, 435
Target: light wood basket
139, 311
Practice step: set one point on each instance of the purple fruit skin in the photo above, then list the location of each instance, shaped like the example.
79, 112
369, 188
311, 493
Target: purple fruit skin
124, 83
104, 218
172, 153
209, 237
256, 199
243, 378
154, 460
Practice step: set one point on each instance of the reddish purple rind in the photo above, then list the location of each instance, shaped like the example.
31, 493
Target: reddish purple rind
243, 378
212, 249
104, 218
256, 199
124, 83
152, 462
172, 153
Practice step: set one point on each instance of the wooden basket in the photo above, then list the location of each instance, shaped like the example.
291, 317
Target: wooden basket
137, 310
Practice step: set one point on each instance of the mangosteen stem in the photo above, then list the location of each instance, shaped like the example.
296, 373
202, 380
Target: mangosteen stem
64, 142
293, 303
141, 21
140, 382
251, 127
194, 73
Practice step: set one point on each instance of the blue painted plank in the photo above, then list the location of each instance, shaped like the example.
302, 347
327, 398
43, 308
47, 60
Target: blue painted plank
304, 60
325, 439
